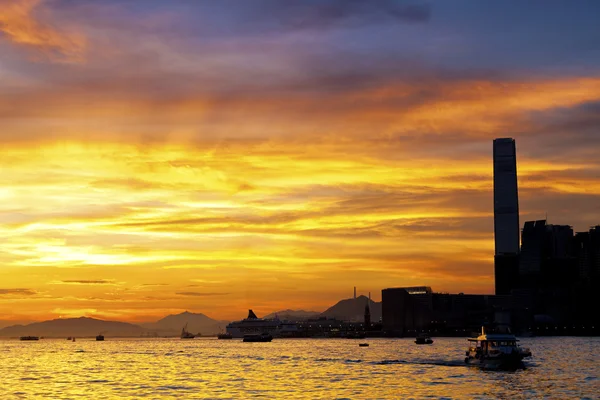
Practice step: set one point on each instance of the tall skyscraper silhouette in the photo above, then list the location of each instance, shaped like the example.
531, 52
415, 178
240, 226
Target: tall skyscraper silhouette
506, 216
506, 197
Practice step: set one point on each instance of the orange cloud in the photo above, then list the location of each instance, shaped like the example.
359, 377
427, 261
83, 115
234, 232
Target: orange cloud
19, 23
278, 201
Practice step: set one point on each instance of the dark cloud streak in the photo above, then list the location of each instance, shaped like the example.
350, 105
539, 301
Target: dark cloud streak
198, 294
89, 282
25, 292
301, 14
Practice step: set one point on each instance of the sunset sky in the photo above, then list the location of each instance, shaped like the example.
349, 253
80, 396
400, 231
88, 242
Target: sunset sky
215, 156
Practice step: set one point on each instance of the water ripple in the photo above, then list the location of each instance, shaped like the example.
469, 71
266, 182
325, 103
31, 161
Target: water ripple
391, 368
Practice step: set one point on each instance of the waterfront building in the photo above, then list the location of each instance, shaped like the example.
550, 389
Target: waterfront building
406, 314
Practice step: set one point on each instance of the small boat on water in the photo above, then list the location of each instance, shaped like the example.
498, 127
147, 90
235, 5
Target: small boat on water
263, 337
185, 334
363, 345
496, 351
29, 338
100, 338
423, 339
225, 335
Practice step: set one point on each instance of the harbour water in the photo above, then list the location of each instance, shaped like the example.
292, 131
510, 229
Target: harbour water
561, 368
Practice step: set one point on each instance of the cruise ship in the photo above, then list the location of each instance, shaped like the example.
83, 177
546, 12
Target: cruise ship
255, 325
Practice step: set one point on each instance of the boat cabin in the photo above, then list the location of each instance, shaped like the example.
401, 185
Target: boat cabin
495, 350
493, 343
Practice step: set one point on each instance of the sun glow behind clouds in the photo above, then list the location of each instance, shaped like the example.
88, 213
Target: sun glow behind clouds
140, 155
180, 214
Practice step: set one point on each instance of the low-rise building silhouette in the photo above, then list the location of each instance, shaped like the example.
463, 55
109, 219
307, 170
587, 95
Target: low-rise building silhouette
407, 312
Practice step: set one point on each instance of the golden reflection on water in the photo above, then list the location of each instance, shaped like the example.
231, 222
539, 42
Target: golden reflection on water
303, 368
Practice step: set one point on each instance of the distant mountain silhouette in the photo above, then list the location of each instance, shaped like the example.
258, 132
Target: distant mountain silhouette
4, 323
293, 315
353, 309
78, 327
196, 323
171, 325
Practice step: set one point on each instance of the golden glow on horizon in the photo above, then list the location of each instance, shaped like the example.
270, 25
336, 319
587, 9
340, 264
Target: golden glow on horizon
123, 226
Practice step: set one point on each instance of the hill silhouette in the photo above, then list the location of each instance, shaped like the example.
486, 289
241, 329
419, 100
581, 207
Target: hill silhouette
79, 327
5, 323
293, 315
353, 309
196, 323
171, 325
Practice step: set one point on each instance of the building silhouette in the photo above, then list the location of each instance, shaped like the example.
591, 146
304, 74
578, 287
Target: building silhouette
407, 312
586, 246
367, 319
532, 250
506, 216
545, 279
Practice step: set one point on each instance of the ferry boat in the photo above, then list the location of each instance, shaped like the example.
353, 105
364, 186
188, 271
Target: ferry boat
423, 339
254, 325
263, 337
496, 351
29, 338
100, 338
185, 334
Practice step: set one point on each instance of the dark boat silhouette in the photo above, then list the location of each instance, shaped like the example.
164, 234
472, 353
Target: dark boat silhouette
263, 337
423, 339
185, 334
29, 338
100, 338
363, 345
225, 335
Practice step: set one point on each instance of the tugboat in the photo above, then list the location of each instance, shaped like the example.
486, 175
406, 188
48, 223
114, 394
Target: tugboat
263, 337
496, 351
100, 338
29, 338
423, 339
185, 334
